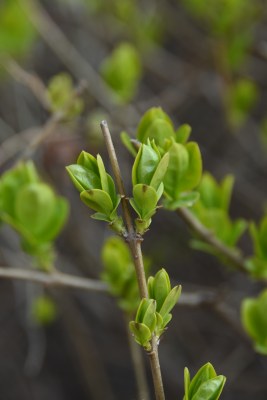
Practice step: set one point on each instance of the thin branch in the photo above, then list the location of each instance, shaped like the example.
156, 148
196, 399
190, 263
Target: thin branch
207, 236
132, 239
55, 279
139, 369
31, 80
134, 242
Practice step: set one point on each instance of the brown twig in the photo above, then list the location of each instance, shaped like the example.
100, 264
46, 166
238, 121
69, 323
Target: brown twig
207, 236
54, 279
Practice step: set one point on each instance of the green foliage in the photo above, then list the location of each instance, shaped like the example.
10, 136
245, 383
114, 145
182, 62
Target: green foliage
16, 32
206, 384
257, 265
185, 164
254, 319
44, 310
122, 72
119, 273
159, 289
155, 124
147, 177
32, 208
183, 174
212, 210
97, 189
153, 313
240, 99
61, 96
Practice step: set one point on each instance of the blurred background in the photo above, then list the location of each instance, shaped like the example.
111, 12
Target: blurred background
205, 64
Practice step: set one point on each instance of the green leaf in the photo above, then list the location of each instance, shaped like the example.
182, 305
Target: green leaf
97, 200
192, 178
205, 373
186, 383
44, 310
160, 172
88, 161
182, 134
254, 319
150, 116
141, 333
170, 300
147, 164
178, 165
226, 191
144, 201
143, 306
122, 71
83, 178
16, 32
55, 224
211, 389
184, 200
161, 287
102, 174
34, 206
149, 318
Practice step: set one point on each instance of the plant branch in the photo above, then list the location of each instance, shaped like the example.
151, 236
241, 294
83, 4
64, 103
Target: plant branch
156, 372
132, 239
55, 279
208, 236
137, 359
134, 242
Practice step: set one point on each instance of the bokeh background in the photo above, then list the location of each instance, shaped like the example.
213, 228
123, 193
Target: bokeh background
205, 64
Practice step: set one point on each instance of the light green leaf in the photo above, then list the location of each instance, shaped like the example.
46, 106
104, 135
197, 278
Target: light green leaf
161, 287
102, 174
160, 172
150, 116
88, 161
182, 134
205, 373
211, 389
141, 333
170, 300
34, 206
97, 200
83, 178
186, 383
144, 201
184, 200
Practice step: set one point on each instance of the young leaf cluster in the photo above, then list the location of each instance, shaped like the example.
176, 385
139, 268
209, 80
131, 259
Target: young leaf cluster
206, 384
31, 207
153, 313
122, 71
97, 189
184, 169
61, 96
212, 210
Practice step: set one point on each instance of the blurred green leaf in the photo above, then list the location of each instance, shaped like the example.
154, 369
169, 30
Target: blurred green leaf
254, 319
17, 34
44, 310
122, 71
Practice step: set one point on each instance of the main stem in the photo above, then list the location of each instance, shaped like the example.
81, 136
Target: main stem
134, 242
